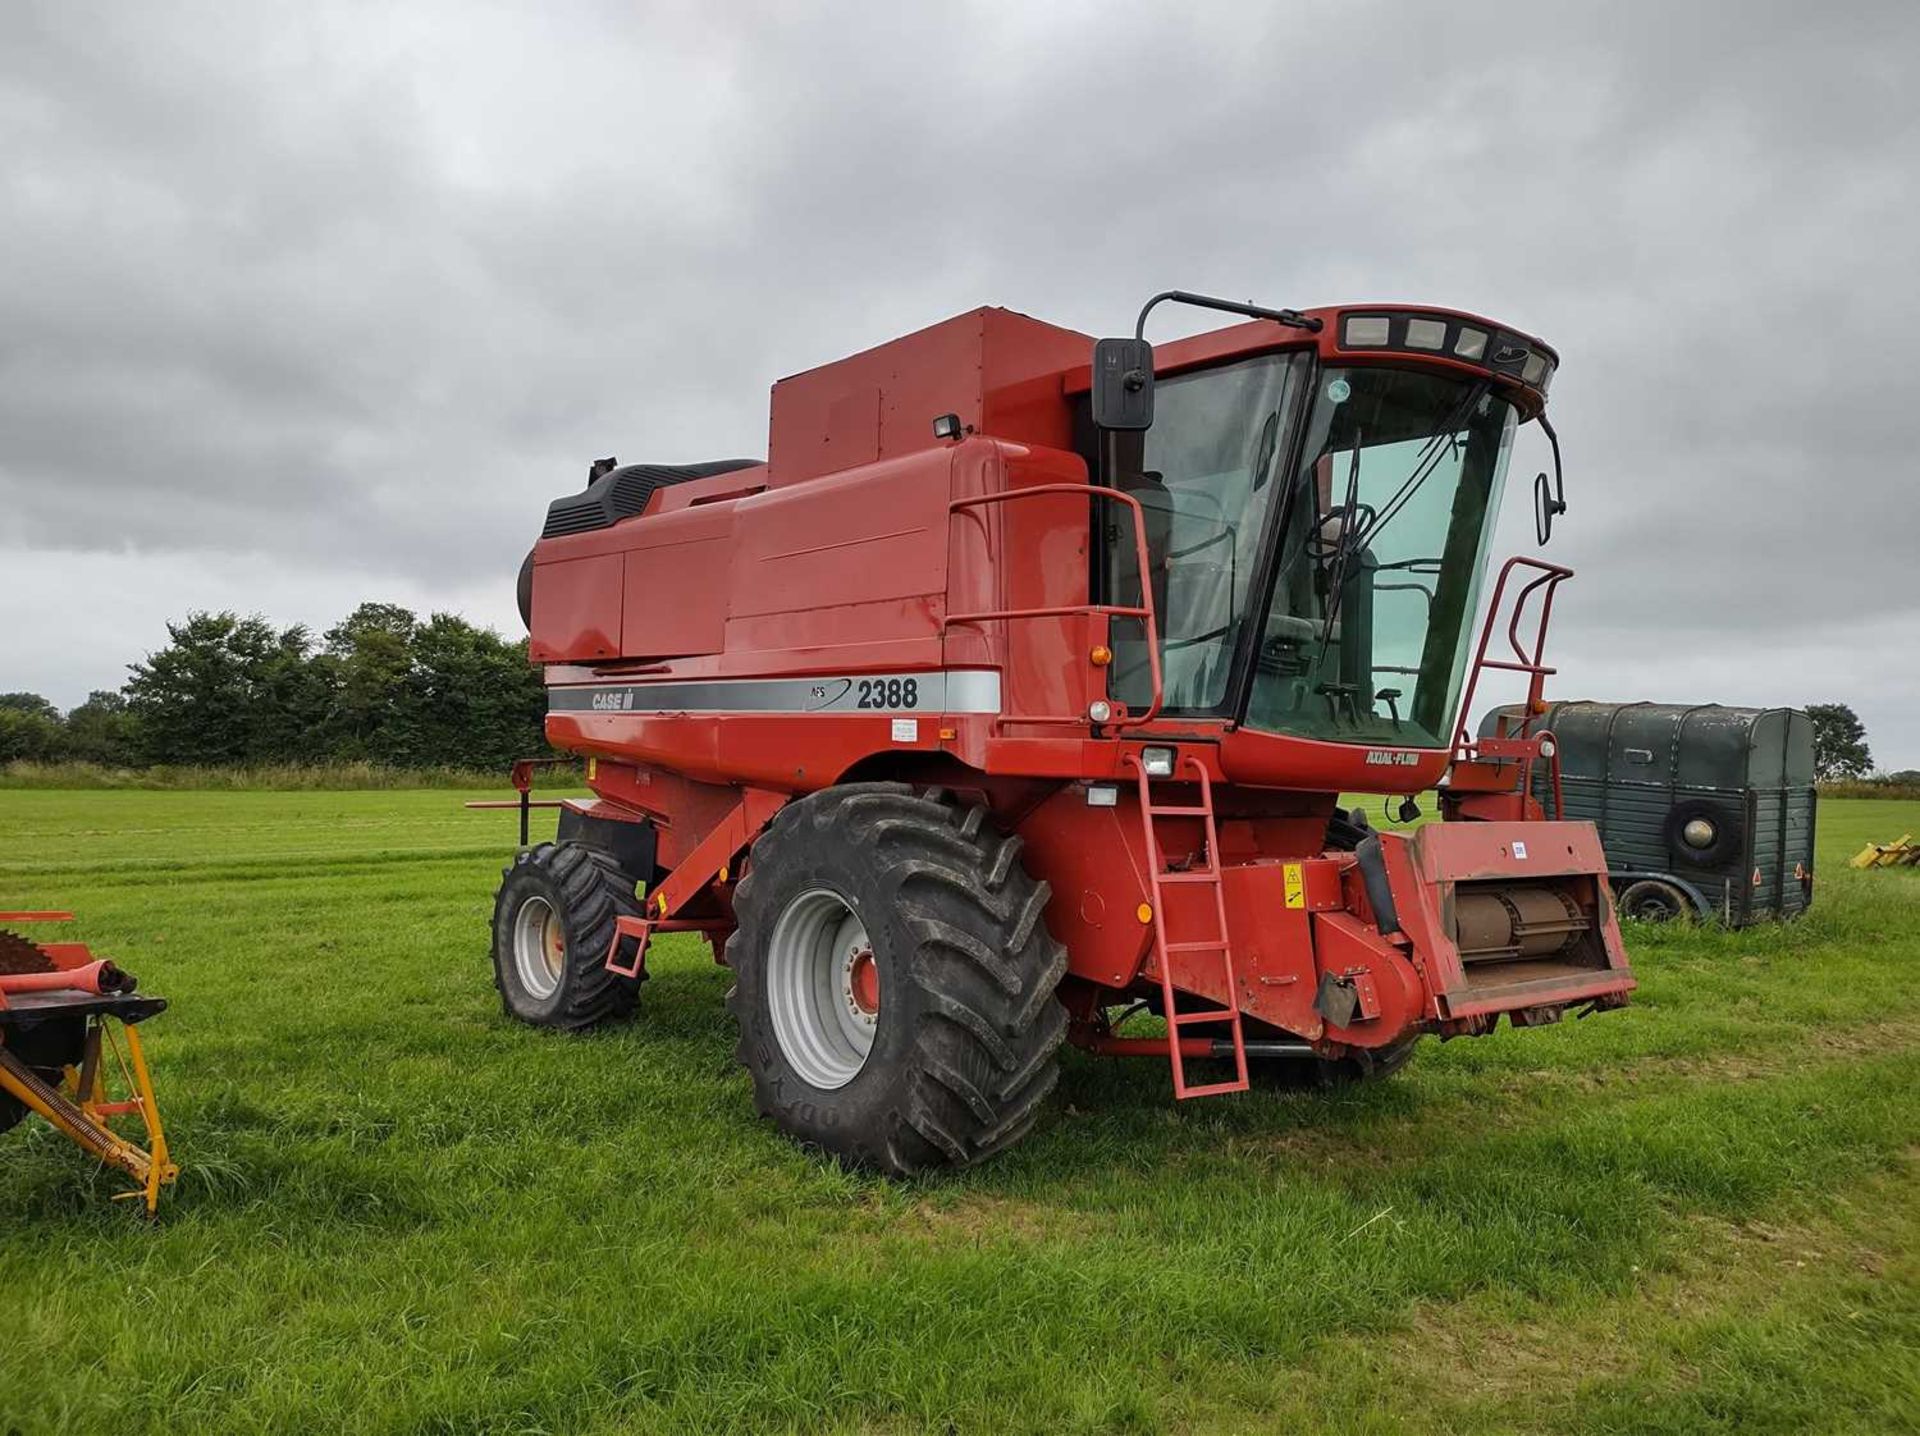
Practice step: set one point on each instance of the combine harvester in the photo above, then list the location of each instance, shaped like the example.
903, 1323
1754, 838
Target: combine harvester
1013, 695
68, 1044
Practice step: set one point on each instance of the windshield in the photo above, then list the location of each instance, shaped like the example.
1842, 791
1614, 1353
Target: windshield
1211, 472
1388, 516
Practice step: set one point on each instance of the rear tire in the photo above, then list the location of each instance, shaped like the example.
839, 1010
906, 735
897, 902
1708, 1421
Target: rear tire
553, 923
871, 894
1651, 900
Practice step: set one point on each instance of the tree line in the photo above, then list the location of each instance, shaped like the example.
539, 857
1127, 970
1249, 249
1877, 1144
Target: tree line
385, 686
381, 686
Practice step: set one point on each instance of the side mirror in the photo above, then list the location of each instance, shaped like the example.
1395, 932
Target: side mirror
1547, 505
1123, 384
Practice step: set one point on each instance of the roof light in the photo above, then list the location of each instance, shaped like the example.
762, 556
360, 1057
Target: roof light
1365, 331
1512, 356
1426, 334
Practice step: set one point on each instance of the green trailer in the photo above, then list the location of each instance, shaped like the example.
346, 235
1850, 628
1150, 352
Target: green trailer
1704, 810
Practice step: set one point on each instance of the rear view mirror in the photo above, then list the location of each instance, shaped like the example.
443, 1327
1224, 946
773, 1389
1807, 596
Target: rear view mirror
1123, 384
1547, 505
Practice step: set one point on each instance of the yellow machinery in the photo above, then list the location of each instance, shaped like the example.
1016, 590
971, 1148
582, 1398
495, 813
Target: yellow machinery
70, 1052
1902, 852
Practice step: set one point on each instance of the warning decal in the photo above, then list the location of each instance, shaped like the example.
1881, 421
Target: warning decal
1296, 885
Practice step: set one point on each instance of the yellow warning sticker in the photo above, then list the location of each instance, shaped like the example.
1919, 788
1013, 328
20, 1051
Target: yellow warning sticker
1296, 885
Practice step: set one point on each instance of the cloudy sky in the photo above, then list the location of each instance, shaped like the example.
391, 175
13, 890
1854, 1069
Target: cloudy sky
307, 304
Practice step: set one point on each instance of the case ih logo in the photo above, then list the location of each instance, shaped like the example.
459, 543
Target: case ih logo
1387, 758
616, 700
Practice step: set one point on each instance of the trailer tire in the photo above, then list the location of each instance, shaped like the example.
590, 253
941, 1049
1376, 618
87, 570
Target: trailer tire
964, 1028
559, 901
1652, 900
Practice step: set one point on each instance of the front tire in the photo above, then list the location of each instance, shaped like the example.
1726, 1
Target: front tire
895, 980
553, 921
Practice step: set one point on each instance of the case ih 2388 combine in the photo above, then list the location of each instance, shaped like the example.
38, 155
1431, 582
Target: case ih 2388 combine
1013, 694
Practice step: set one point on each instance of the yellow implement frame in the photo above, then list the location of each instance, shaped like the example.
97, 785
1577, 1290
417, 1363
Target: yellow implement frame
81, 1106
1902, 852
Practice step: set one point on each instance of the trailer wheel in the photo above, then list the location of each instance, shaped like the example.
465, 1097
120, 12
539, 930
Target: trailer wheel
1651, 900
552, 926
895, 980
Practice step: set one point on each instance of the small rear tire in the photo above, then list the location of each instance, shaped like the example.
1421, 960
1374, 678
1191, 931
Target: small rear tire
553, 922
895, 980
1651, 900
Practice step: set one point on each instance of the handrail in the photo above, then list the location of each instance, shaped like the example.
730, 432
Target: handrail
1546, 580
1144, 612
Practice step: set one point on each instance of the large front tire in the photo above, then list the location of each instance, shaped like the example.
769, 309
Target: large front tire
553, 921
895, 979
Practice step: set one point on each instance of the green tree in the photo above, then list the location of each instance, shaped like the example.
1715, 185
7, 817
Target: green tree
368, 658
292, 702
104, 730
30, 729
29, 703
471, 699
1839, 742
195, 699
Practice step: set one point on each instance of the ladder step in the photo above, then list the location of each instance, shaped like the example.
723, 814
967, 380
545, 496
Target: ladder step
1187, 1019
1192, 875
1216, 1089
1196, 947
1179, 812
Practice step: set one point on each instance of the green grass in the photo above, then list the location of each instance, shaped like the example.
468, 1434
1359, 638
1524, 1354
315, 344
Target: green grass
400, 1212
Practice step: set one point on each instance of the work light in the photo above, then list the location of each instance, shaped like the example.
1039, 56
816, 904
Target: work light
1157, 762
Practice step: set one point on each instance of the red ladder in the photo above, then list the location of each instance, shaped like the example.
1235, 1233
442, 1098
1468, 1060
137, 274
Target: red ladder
1160, 879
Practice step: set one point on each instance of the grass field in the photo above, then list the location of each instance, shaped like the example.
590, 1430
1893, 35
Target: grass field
400, 1212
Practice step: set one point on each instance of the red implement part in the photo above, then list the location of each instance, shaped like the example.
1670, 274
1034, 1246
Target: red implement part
707, 864
95, 978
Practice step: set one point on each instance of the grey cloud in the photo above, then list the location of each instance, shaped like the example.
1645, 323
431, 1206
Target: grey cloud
356, 288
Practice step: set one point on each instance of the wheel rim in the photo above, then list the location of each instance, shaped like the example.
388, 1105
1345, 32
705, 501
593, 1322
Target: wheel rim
1656, 907
539, 947
823, 989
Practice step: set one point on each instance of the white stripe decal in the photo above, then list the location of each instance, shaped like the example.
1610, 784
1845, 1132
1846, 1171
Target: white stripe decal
939, 691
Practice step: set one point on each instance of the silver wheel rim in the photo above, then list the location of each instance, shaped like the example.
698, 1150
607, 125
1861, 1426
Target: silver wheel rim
539, 947
822, 989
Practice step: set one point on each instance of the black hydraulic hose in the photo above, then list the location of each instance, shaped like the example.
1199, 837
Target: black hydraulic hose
1373, 877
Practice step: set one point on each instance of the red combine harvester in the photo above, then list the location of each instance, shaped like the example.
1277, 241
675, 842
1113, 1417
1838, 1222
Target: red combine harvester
1014, 694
